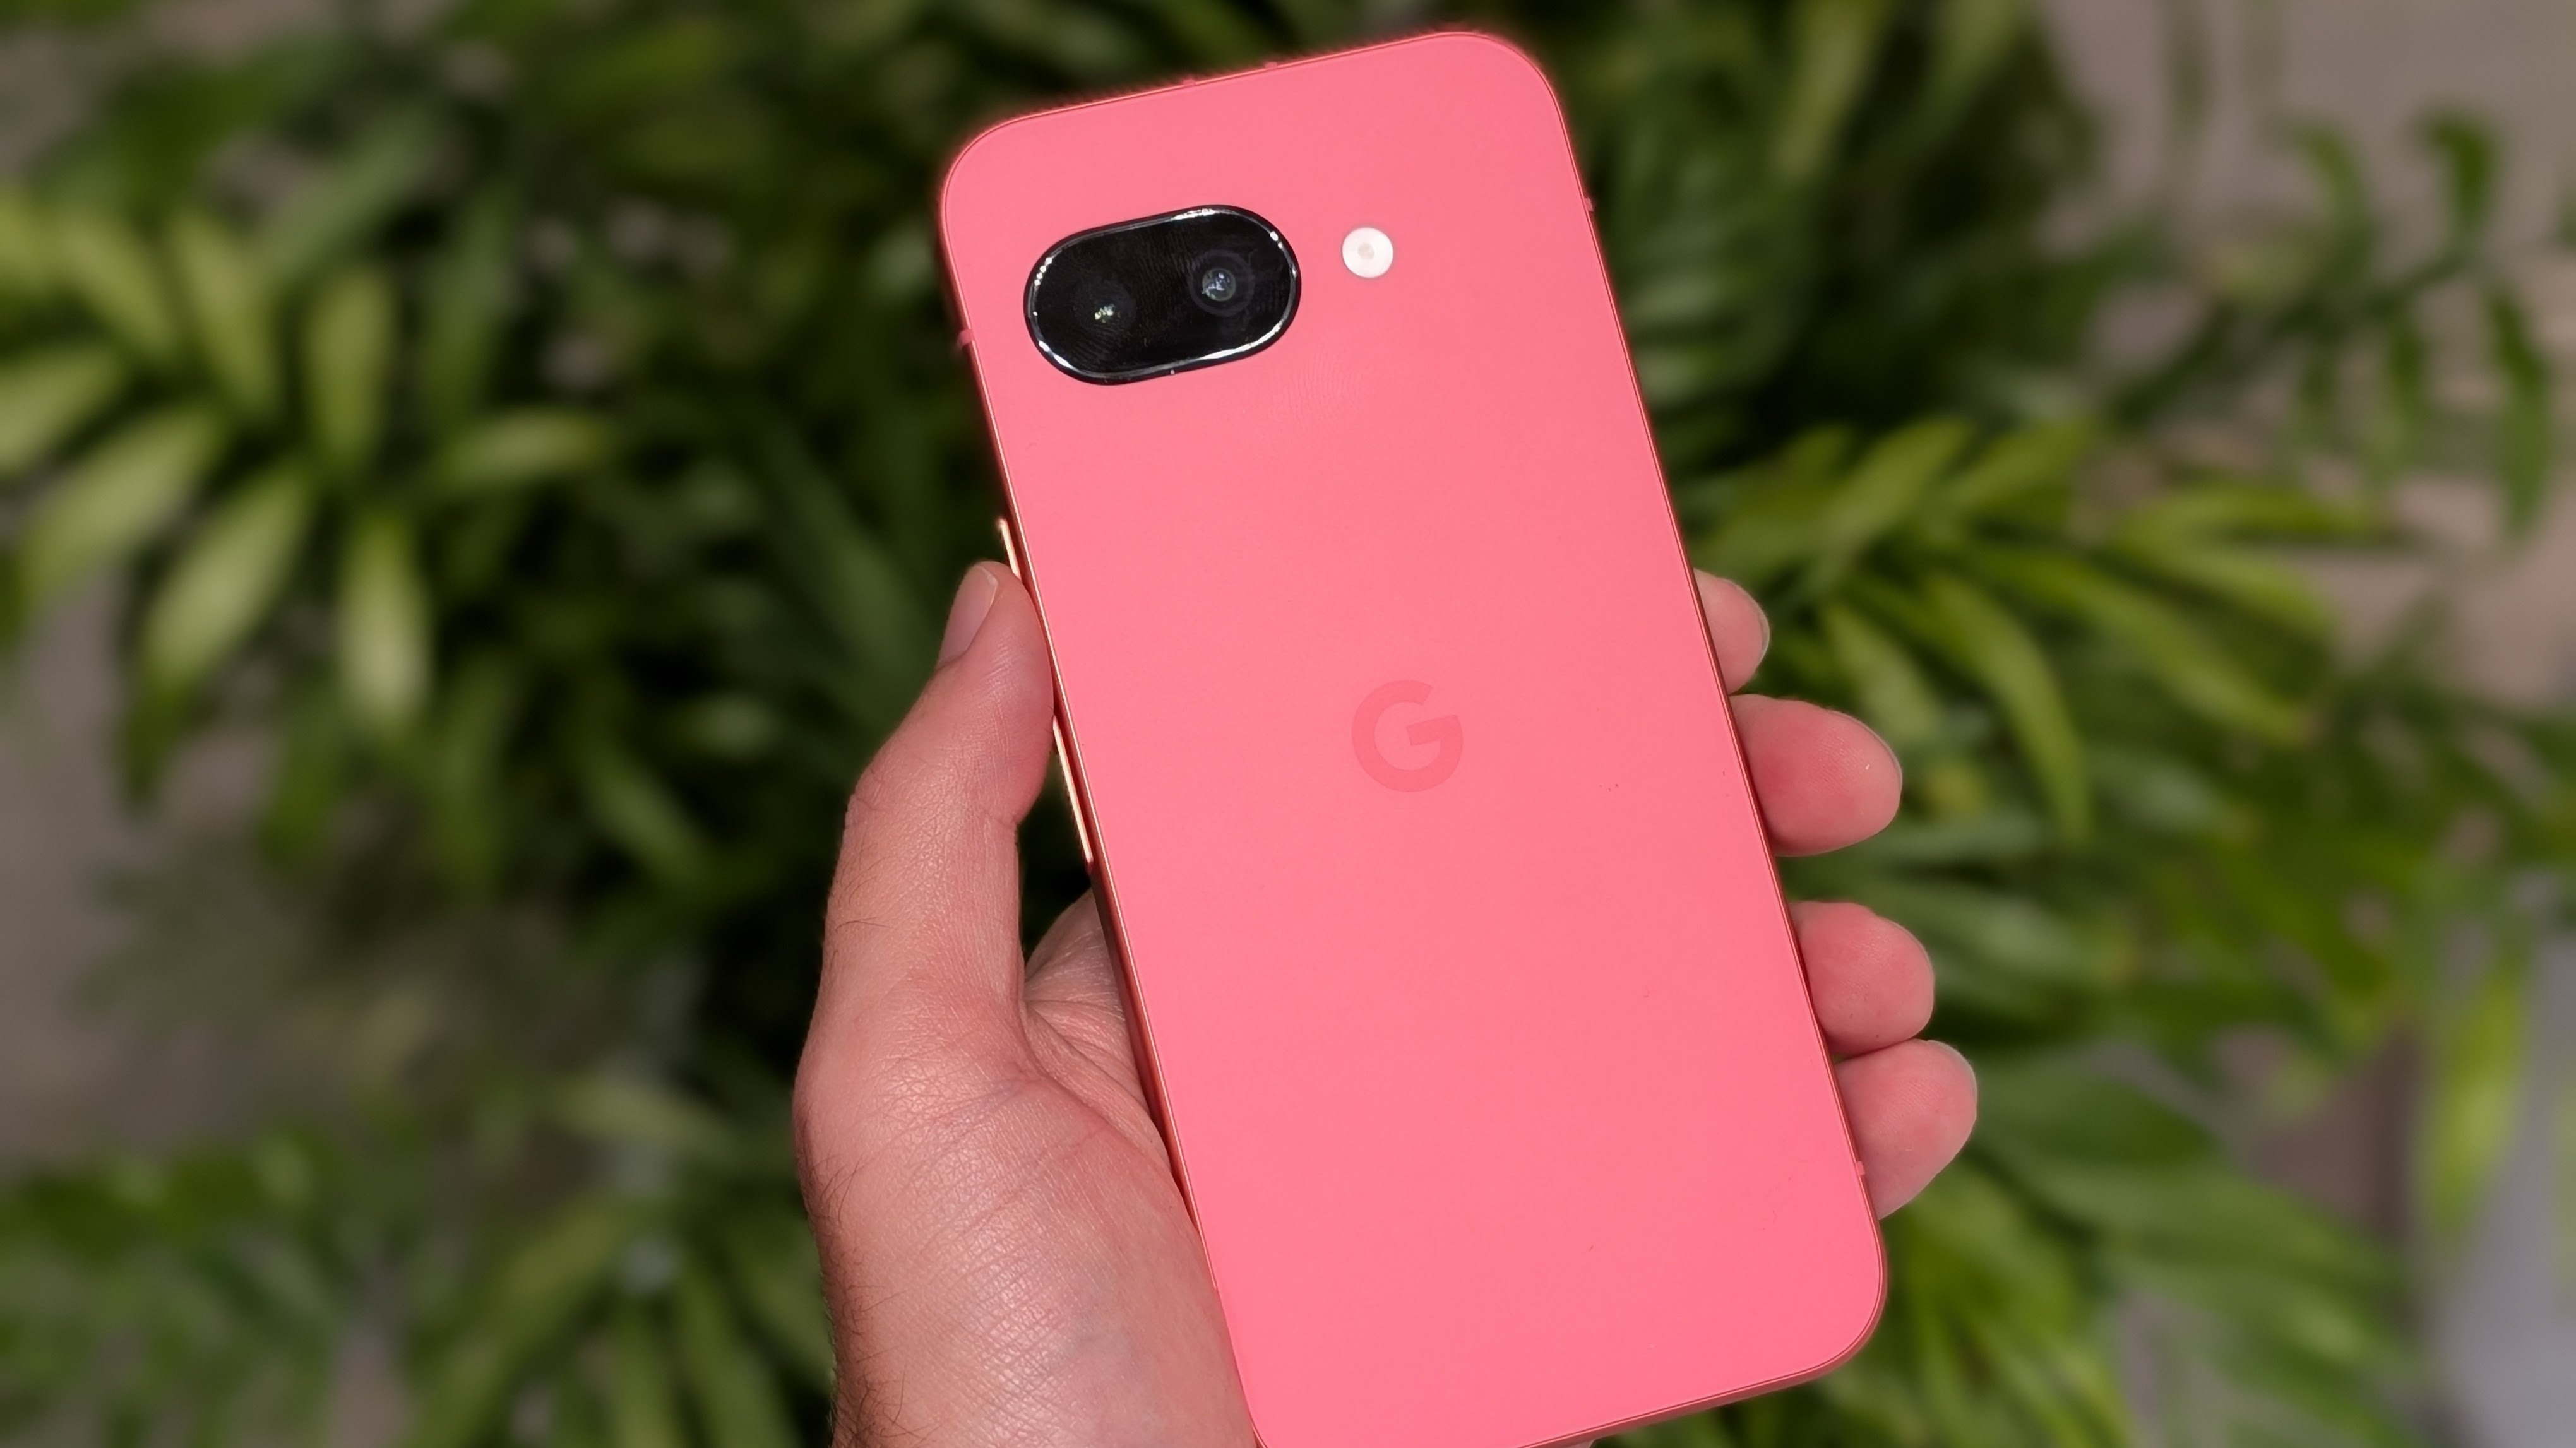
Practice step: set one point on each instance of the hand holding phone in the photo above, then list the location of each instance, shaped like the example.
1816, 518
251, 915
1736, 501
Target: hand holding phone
1438, 997
1007, 1256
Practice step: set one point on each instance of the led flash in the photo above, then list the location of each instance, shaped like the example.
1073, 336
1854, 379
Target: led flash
1368, 252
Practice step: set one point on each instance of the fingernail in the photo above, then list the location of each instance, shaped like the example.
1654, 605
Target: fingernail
1957, 1055
966, 615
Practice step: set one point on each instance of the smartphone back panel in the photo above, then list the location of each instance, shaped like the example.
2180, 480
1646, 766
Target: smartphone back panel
1479, 1032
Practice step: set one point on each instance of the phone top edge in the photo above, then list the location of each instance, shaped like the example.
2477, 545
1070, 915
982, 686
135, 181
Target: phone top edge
1444, 35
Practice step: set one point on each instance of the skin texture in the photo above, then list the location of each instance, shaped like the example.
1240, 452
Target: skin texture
1007, 1259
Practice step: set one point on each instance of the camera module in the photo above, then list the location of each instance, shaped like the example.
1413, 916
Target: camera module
1162, 294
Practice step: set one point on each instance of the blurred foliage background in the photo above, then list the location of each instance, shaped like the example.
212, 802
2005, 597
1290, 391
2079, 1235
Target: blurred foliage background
534, 425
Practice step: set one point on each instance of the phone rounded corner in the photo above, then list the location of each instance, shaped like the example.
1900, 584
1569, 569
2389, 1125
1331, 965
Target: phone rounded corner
1490, 48
1871, 1306
1845, 1345
959, 172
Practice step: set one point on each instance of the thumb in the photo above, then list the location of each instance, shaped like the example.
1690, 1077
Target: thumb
922, 937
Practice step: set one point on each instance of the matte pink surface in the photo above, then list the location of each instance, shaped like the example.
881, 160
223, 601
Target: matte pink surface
1498, 1098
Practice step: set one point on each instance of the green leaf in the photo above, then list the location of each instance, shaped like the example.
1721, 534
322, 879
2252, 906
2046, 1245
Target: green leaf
348, 360
776, 1275
1701, 1431
464, 311
116, 277
1317, 22
653, 63
1996, 651
635, 810
2213, 510
348, 202
2343, 184
2014, 466
26, 256
2188, 665
225, 582
1833, 48
2052, 1114
306, 783
515, 449
1882, 492
2465, 148
383, 626
1995, 946
2396, 429
1773, 528
1982, 838
115, 498
1215, 33
643, 1408
633, 1111
2526, 428
2473, 1092
228, 310
526, 1305
736, 1396
855, 584
576, 1416
1771, 512
1894, 696
468, 819
1085, 43
2160, 792
2264, 587
47, 397
1970, 38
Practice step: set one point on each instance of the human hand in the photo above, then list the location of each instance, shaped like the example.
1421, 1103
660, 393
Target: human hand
1005, 1252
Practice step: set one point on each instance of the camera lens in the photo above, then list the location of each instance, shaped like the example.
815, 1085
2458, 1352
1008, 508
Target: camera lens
1106, 308
1220, 283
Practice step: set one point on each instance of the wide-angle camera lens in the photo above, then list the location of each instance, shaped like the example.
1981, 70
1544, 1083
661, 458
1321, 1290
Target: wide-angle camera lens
1221, 283
1104, 307
1107, 308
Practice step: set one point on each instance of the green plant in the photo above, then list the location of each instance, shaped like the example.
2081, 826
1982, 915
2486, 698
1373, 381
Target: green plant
540, 422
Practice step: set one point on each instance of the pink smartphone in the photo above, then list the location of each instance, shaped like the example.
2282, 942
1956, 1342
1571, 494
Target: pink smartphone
1459, 967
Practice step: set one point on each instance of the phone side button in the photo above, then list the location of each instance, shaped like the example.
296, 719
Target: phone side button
1073, 794
1010, 549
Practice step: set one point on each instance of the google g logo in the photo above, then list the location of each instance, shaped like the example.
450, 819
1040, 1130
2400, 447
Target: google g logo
1443, 736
